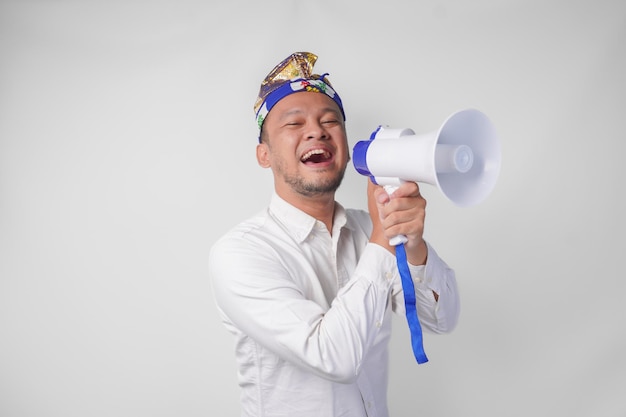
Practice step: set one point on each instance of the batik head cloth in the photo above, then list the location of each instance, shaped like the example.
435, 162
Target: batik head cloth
294, 74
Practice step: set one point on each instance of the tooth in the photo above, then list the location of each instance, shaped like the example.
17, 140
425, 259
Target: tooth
314, 152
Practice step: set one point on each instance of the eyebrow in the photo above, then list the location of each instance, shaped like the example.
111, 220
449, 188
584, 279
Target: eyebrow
299, 111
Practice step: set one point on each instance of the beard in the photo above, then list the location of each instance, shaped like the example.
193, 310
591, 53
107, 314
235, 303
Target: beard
313, 188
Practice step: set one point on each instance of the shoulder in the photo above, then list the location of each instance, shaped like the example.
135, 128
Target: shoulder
260, 238
243, 234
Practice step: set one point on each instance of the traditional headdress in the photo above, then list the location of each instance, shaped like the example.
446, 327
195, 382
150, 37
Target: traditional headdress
292, 75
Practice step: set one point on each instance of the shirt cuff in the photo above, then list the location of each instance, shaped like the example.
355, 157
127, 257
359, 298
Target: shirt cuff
431, 275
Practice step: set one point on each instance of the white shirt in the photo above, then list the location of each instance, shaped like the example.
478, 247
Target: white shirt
310, 311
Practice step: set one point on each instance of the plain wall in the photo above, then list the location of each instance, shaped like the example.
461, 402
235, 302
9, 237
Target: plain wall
127, 142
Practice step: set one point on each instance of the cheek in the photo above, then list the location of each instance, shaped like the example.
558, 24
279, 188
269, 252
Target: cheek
278, 160
345, 149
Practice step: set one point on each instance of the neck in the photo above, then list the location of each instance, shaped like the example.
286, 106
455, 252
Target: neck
321, 206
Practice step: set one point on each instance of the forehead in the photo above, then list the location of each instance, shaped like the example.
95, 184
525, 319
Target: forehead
303, 102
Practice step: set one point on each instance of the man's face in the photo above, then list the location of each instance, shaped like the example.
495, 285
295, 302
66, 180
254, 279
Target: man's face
305, 144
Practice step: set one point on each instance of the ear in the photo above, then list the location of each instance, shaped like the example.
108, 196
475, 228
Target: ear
262, 155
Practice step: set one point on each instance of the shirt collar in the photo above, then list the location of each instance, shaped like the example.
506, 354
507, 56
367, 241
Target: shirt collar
299, 224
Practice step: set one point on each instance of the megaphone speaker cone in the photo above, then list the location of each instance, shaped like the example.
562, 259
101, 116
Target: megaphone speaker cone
462, 158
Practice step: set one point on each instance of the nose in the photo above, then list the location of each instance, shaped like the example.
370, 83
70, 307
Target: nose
317, 131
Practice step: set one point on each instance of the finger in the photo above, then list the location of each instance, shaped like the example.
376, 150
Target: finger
381, 196
406, 189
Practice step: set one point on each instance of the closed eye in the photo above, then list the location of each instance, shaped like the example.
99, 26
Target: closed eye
294, 123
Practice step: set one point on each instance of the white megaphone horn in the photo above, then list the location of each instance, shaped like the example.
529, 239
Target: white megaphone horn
462, 158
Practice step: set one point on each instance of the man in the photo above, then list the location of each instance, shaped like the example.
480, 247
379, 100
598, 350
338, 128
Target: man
307, 287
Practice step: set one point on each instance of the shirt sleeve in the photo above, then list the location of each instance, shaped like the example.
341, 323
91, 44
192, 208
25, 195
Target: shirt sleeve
437, 316
256, 294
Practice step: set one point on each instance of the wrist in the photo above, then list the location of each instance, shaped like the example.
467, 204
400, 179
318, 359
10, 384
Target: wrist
417, 254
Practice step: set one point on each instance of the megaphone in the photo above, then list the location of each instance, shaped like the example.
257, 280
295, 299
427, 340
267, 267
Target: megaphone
462, 158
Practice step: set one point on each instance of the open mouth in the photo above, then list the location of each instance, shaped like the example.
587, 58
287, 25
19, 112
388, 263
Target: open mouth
316, 156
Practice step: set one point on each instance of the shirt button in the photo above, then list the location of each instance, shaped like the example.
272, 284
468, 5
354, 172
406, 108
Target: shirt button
378, 324
388, 275
418, 280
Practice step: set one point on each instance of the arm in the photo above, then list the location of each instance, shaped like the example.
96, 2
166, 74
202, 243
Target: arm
435, 283
275, 301
437, 314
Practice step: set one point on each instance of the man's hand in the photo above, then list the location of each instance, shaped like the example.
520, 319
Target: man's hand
401, 213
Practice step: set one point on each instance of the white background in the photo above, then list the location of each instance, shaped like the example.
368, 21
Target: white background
127, 147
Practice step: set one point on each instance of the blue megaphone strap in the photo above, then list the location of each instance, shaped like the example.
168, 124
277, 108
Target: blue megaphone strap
408, 288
